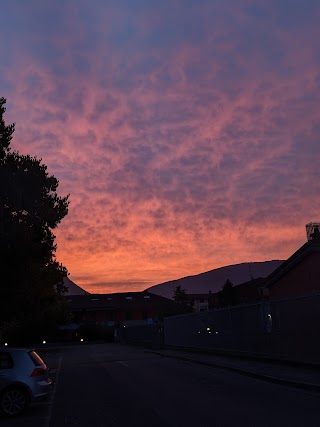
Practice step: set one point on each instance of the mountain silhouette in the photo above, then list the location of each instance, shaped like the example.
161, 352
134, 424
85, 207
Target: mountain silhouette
73, 289
213, 280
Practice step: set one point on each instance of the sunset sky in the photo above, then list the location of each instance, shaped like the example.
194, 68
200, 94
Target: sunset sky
187, 132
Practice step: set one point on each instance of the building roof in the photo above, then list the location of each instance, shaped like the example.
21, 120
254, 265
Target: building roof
118, 301
311, 246
251, 284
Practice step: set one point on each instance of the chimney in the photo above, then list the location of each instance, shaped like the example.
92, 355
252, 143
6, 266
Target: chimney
313, 230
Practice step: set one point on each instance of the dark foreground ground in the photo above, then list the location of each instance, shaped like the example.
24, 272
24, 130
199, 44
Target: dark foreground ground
115, 385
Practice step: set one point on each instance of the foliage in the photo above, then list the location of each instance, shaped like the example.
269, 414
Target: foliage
228, 294
178, 306
31, 279
180, 295
174, 309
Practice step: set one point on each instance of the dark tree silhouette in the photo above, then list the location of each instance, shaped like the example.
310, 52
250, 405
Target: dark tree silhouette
180, 295
31, 282
228, 294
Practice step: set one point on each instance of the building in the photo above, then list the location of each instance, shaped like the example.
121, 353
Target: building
252, 291
199, 302
299, 275
128, 308
248, 292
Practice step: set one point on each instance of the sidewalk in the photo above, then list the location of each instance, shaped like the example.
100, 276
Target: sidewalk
303, 377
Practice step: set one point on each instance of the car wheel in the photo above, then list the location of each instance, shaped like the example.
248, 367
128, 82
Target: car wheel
13, 401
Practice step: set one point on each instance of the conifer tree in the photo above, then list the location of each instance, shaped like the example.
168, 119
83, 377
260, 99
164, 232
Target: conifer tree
31, 282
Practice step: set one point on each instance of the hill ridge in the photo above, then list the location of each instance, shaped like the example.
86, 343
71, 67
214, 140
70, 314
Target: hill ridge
213, 280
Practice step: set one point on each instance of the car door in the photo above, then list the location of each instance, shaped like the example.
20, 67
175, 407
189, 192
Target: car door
6, 368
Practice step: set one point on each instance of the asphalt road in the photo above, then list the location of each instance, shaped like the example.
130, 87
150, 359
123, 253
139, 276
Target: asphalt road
115, 385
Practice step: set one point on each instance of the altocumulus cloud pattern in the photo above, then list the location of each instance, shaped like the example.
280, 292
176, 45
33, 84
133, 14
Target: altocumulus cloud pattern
187, 133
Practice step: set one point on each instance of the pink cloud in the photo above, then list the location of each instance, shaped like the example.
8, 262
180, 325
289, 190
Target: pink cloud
185, 144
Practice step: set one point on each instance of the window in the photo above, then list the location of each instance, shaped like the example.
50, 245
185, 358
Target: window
6, 361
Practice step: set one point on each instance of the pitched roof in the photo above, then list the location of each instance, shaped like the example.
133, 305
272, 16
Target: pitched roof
311, 246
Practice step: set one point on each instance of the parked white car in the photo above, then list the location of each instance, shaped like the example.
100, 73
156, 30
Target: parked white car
23, 379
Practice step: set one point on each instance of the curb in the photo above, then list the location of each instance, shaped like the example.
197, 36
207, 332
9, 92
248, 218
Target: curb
243, 355
257, 375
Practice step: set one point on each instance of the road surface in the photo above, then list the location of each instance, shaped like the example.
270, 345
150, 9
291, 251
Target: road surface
102, 385
115, 385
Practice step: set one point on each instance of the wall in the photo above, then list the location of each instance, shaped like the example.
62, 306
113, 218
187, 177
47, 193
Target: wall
302, 279
149, 335
284, 329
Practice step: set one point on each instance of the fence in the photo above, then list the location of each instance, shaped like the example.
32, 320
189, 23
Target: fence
149, 335
285, 329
